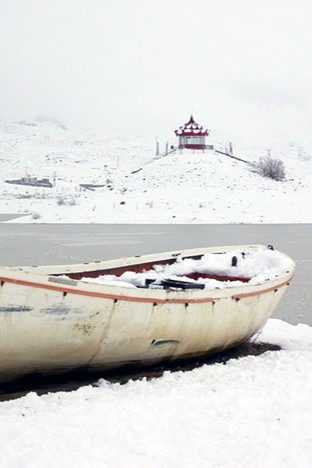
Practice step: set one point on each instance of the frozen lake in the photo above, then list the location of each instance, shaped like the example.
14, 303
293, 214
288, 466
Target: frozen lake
33, 244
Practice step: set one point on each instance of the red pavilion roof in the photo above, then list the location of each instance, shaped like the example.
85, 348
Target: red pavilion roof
191, 128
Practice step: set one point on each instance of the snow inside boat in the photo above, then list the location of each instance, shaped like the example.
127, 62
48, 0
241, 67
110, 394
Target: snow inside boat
136, 311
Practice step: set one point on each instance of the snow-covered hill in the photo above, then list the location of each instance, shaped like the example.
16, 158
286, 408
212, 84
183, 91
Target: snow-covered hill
142, 188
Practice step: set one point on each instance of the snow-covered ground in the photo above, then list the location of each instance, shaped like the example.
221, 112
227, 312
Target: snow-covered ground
142, 188
255, 411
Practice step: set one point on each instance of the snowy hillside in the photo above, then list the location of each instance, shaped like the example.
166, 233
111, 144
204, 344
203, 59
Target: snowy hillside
139, 187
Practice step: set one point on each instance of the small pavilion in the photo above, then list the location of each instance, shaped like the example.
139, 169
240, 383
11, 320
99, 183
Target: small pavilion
192, 136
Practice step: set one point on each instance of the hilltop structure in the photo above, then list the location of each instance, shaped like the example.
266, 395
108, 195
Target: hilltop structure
192, 136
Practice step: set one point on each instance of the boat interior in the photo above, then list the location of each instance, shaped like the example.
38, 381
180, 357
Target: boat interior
165, 283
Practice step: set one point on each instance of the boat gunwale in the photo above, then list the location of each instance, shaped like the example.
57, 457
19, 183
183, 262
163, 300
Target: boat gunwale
256, 290
137, 260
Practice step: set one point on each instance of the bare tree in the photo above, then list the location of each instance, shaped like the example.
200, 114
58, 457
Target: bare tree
271, 168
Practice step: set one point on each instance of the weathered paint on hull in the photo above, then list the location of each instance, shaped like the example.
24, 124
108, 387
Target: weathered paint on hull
48, 327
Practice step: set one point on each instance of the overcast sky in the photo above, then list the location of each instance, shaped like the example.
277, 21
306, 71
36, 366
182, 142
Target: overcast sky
242, 67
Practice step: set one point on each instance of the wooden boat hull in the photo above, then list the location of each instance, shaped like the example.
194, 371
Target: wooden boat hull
49, 323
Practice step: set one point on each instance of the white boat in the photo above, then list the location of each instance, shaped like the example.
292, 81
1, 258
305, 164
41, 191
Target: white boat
53, 319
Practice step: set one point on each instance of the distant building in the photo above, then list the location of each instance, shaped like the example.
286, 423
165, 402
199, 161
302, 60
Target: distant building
192, 136
31, 181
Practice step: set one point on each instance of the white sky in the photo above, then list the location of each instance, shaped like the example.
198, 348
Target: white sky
243, 67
